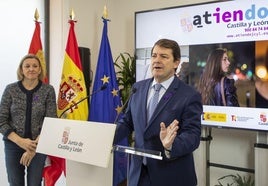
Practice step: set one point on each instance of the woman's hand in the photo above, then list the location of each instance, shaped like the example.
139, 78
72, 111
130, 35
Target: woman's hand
24, 143
168, 134
27, 157
27, 144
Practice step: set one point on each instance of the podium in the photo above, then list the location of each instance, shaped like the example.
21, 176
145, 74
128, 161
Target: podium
86, 146
88, 149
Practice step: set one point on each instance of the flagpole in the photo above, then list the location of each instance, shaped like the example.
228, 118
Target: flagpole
36, 15
72, 15
105, 12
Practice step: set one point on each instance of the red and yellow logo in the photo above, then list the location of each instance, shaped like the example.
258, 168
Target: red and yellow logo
214, 116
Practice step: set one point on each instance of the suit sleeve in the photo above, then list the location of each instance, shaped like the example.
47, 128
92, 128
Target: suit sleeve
188, 137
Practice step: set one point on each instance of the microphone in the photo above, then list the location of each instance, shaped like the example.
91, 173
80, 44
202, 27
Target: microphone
133, 91
103, 87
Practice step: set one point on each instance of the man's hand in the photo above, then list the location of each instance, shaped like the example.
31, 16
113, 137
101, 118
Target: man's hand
168, 134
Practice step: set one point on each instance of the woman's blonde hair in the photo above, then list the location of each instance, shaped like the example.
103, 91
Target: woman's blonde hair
20, 75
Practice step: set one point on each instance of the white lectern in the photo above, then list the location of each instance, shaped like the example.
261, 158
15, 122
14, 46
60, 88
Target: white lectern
87, 147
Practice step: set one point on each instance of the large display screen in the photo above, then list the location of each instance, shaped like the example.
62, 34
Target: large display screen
240, 27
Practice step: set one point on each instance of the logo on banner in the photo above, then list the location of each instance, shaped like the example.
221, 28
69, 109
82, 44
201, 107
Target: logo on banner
263, 119
186, 24
233, 117
213, 116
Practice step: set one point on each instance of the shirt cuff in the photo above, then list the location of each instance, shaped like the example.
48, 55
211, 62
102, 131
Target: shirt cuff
168, 151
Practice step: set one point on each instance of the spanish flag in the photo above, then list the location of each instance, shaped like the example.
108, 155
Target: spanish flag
72, 87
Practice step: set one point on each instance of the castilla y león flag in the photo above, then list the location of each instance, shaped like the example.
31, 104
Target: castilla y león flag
37, 49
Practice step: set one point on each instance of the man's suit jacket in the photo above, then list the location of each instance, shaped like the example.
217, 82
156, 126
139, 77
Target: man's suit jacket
180, 102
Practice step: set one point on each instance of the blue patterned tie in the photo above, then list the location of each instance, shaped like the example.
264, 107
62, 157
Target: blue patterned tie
152, 105
154, 100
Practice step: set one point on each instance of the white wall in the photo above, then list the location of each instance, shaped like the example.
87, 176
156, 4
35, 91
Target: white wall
16, 34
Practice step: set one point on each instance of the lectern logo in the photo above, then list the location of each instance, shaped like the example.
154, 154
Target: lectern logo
65, 135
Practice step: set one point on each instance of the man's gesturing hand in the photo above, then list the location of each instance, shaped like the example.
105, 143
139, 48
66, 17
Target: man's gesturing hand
168, 134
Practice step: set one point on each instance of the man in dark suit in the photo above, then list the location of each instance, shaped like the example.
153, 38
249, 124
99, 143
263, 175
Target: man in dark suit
173, 129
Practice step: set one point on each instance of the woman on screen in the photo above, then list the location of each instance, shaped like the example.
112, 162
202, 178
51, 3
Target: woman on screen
214, 85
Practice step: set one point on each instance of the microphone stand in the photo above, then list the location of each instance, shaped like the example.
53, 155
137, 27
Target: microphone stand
104, 86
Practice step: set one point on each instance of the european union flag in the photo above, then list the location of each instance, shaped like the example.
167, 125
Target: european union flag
106, 103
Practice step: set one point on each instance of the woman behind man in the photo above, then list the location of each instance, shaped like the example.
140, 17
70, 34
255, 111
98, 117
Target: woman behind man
23, 107
209, 85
